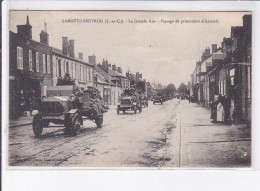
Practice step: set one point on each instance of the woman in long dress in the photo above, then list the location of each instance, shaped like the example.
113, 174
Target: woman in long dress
220, 112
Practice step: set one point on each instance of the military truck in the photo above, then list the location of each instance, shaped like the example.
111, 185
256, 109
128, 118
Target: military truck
143, 100
68, 106
141, 88
158, 99
129, 101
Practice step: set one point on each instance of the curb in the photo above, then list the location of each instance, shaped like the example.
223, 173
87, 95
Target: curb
19, 125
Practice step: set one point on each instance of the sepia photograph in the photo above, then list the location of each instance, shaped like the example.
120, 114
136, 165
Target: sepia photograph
109, 89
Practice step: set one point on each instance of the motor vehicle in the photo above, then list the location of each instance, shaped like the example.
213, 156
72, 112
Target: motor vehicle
144, 101
68, 108
129, 103
158, 99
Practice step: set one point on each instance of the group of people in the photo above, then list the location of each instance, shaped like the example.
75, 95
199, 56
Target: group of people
220, 109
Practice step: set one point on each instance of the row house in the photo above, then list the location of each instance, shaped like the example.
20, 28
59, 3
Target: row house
30, 69
238, 67
227, 72
195, 81
209, 75
35, 65
109, 81
65, 62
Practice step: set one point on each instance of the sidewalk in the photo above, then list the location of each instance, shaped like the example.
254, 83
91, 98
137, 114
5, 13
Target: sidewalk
207, 144
21, 121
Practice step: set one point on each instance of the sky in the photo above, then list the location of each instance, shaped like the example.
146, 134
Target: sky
162, 52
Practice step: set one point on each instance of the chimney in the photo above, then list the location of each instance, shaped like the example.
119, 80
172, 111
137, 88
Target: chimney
44, 36
105, 65
71, 48
25, 30
114, 67
65, 45
81, 55
214, 48
198, 67
119, 69
247, 22
207, 51
92, 60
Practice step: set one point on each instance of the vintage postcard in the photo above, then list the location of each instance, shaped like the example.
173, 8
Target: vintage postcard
129, 89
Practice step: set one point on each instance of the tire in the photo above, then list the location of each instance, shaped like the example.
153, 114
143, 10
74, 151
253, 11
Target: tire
37, 125
73, 125
99, 121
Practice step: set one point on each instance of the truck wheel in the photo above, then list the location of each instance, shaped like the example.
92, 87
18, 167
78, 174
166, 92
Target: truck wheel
37, 125
73, 125
99, 121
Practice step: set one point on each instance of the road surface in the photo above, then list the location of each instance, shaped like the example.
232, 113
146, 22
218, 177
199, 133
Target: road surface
147, 139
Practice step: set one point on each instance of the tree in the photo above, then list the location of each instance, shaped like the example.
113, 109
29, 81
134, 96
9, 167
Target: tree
67, 80
182, 88
170, 89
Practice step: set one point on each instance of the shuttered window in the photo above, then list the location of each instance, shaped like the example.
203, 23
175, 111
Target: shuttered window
48, 64
19, 58
30, 61
37, 62
43, 63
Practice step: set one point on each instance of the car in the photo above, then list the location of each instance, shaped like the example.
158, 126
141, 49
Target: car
129, 103
64, 107
158, 99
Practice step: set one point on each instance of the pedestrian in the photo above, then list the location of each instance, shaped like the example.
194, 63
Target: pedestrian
220, 110
226, 105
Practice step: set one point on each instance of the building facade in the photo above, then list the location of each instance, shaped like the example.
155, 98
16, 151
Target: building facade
227, 72
30, 70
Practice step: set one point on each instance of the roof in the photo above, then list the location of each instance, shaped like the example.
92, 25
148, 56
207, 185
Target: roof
103, 76
115, 73
20, 36
236, 31
59, 52
53, 49
227, 41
